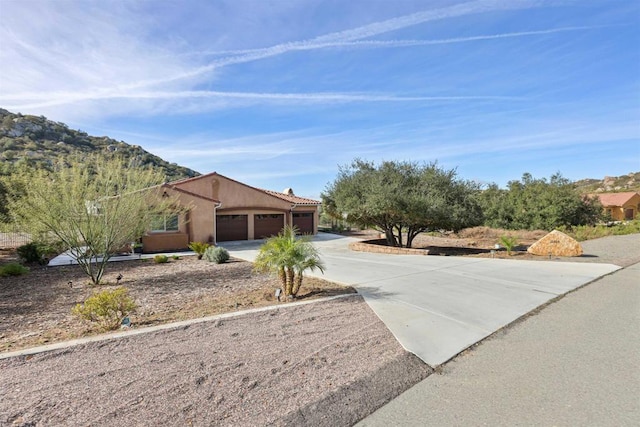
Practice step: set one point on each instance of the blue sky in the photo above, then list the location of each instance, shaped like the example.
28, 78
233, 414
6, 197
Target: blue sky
279, 93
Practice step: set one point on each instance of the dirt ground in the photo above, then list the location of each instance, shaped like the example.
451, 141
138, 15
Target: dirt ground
36, 307
326, 364
475, 242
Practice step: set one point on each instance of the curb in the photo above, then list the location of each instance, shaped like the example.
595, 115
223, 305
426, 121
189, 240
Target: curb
164, 327
378, 246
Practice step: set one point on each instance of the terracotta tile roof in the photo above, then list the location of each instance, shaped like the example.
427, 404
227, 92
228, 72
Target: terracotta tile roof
615, 199
292, 199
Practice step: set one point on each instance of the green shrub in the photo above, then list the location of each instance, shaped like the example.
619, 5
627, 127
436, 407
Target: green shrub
509, 242
216, 254
39, 251
31, 252
106, 308
175, 257
13, 269
199, 248
160, 259
588, 232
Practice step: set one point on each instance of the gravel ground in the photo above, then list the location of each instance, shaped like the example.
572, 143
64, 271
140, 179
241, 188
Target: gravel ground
35, 309
330, 363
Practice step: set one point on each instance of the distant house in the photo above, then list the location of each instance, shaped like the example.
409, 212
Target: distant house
620, 206
218, 209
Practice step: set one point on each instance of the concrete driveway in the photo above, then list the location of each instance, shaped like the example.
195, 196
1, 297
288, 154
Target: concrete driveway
438, 306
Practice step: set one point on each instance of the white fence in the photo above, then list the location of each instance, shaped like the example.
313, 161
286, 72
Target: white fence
11, 237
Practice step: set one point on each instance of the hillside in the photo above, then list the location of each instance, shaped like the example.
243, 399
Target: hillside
629, 182
39, 142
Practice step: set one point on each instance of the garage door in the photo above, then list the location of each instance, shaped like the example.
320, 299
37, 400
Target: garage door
231, 227
304, 222
267, 225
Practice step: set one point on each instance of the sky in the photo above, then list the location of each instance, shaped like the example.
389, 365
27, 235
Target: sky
281, 93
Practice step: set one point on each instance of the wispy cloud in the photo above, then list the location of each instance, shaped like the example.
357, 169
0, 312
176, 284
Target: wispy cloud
38, 100
406, 43
347, 36
98, 80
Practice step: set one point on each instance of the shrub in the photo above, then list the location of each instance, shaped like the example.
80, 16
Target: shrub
160, 259
199, 248
509, 242
39, 251
106, 308
216, 254
175, 257
588, 232
31, 252
13, 269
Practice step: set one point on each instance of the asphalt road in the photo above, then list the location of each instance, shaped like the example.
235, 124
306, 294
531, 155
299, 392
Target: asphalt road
576, 362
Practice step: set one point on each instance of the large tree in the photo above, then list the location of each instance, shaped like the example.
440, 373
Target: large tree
403, 198
532, 203
94, 206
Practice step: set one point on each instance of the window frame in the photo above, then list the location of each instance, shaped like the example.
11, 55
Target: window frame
165, 219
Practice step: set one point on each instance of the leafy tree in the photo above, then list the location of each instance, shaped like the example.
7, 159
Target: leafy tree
289, 256
3, 203
532, 203
402, 198
94, 207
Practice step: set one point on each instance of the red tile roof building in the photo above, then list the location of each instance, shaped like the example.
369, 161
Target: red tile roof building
620, 206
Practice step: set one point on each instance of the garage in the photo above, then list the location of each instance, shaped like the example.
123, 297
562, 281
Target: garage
267, 225
304, 222
231, 227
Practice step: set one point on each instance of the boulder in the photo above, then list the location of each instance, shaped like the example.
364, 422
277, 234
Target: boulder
556, 243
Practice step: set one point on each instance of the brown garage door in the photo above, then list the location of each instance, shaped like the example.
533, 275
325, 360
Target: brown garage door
304, 222
267, 225
231, 227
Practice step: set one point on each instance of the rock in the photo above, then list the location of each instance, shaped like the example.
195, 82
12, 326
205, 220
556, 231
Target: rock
556, 243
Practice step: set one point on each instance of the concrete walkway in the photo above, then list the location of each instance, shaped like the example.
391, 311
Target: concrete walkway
576, 363
438, 306
66, 258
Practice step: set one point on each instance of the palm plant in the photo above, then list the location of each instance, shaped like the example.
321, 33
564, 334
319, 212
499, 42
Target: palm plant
509, 242
199, 248
289, 256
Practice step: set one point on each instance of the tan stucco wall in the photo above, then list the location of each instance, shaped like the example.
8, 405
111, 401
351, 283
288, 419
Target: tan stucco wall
239, 199
196, 224
232, 194
159, 242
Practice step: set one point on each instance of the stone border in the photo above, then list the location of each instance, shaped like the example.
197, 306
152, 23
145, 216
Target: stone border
162, 327
379, 246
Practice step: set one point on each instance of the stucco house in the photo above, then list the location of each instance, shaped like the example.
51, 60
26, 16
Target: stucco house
217, 209
620, 206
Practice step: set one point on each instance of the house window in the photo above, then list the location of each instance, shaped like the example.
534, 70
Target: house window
161, 223
268, 216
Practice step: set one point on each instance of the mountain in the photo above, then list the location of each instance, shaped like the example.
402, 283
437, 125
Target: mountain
39, 142
629, 182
